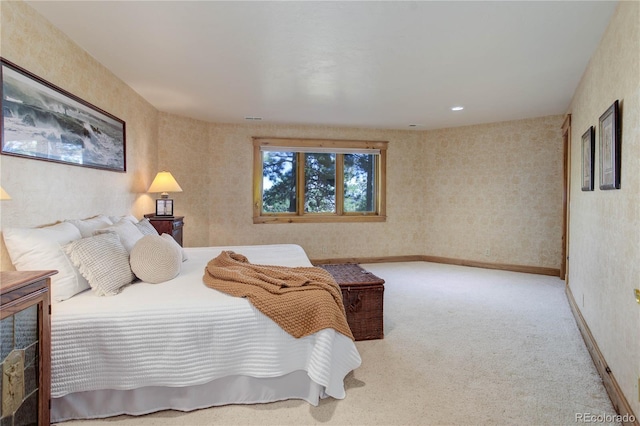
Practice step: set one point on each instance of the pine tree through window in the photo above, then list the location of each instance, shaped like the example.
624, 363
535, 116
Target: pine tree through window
308, 180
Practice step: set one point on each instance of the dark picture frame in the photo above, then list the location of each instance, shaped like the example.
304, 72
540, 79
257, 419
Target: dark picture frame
610, 145
44, 122
588, 158
164, 207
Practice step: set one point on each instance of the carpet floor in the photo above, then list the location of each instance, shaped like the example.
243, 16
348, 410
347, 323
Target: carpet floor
462, 346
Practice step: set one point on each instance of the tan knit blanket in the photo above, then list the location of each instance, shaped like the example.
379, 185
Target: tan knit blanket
301, 300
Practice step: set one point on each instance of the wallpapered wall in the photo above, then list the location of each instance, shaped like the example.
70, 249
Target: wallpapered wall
45, 192
490, 193
494, 192
604, 243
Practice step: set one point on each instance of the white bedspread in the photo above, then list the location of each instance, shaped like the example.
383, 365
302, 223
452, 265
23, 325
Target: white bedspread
182, 333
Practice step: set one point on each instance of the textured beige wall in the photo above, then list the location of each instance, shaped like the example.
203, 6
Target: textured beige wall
494, 192
231, 215
183, 149
453, 192
605, 225
45, 192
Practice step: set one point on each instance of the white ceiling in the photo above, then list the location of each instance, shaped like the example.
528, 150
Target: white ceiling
378, 64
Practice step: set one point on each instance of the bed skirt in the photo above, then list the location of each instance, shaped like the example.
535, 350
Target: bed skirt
224, 391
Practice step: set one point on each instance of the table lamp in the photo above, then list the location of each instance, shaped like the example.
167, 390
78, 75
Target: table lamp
164, 183
3, 194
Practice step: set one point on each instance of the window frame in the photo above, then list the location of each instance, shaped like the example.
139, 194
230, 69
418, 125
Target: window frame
300, 146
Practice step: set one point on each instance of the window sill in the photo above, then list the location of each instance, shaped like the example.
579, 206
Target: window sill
318, 219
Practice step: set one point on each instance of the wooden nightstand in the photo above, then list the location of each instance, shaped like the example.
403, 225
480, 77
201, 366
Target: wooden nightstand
171, 225
25, 352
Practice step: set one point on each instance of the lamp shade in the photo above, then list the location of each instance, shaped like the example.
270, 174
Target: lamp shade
164, 182
3, 194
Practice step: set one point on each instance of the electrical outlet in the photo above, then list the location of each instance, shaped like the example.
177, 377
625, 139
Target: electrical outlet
487, 252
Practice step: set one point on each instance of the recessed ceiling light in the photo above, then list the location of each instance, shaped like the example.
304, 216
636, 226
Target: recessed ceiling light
457, 108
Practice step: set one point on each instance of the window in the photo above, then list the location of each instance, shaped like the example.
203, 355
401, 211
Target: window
311, 180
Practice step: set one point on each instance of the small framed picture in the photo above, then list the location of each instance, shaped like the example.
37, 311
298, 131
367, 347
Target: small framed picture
610, 143
164, 207
588, 152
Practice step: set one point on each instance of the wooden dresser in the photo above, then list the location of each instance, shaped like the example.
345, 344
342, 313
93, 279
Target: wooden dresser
25, 347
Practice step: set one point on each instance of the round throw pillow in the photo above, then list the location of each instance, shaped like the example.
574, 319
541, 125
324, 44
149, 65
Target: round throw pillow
154, 259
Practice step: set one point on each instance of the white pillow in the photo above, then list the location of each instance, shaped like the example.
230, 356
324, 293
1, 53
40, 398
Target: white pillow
146, 227
88, 226
131, 218
173, 241
103, 261
40, 249
129, 233
154, 259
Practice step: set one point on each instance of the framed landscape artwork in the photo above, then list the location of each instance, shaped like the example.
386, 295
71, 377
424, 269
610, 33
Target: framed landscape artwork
588, 152
42, 121
610, 144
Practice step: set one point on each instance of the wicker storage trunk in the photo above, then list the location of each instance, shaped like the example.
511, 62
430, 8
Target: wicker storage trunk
363, 297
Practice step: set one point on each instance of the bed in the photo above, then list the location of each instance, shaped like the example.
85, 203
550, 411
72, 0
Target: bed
181, 345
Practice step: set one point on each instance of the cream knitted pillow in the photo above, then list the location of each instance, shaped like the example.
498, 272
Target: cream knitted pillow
173, 241
103, 261
154, 259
